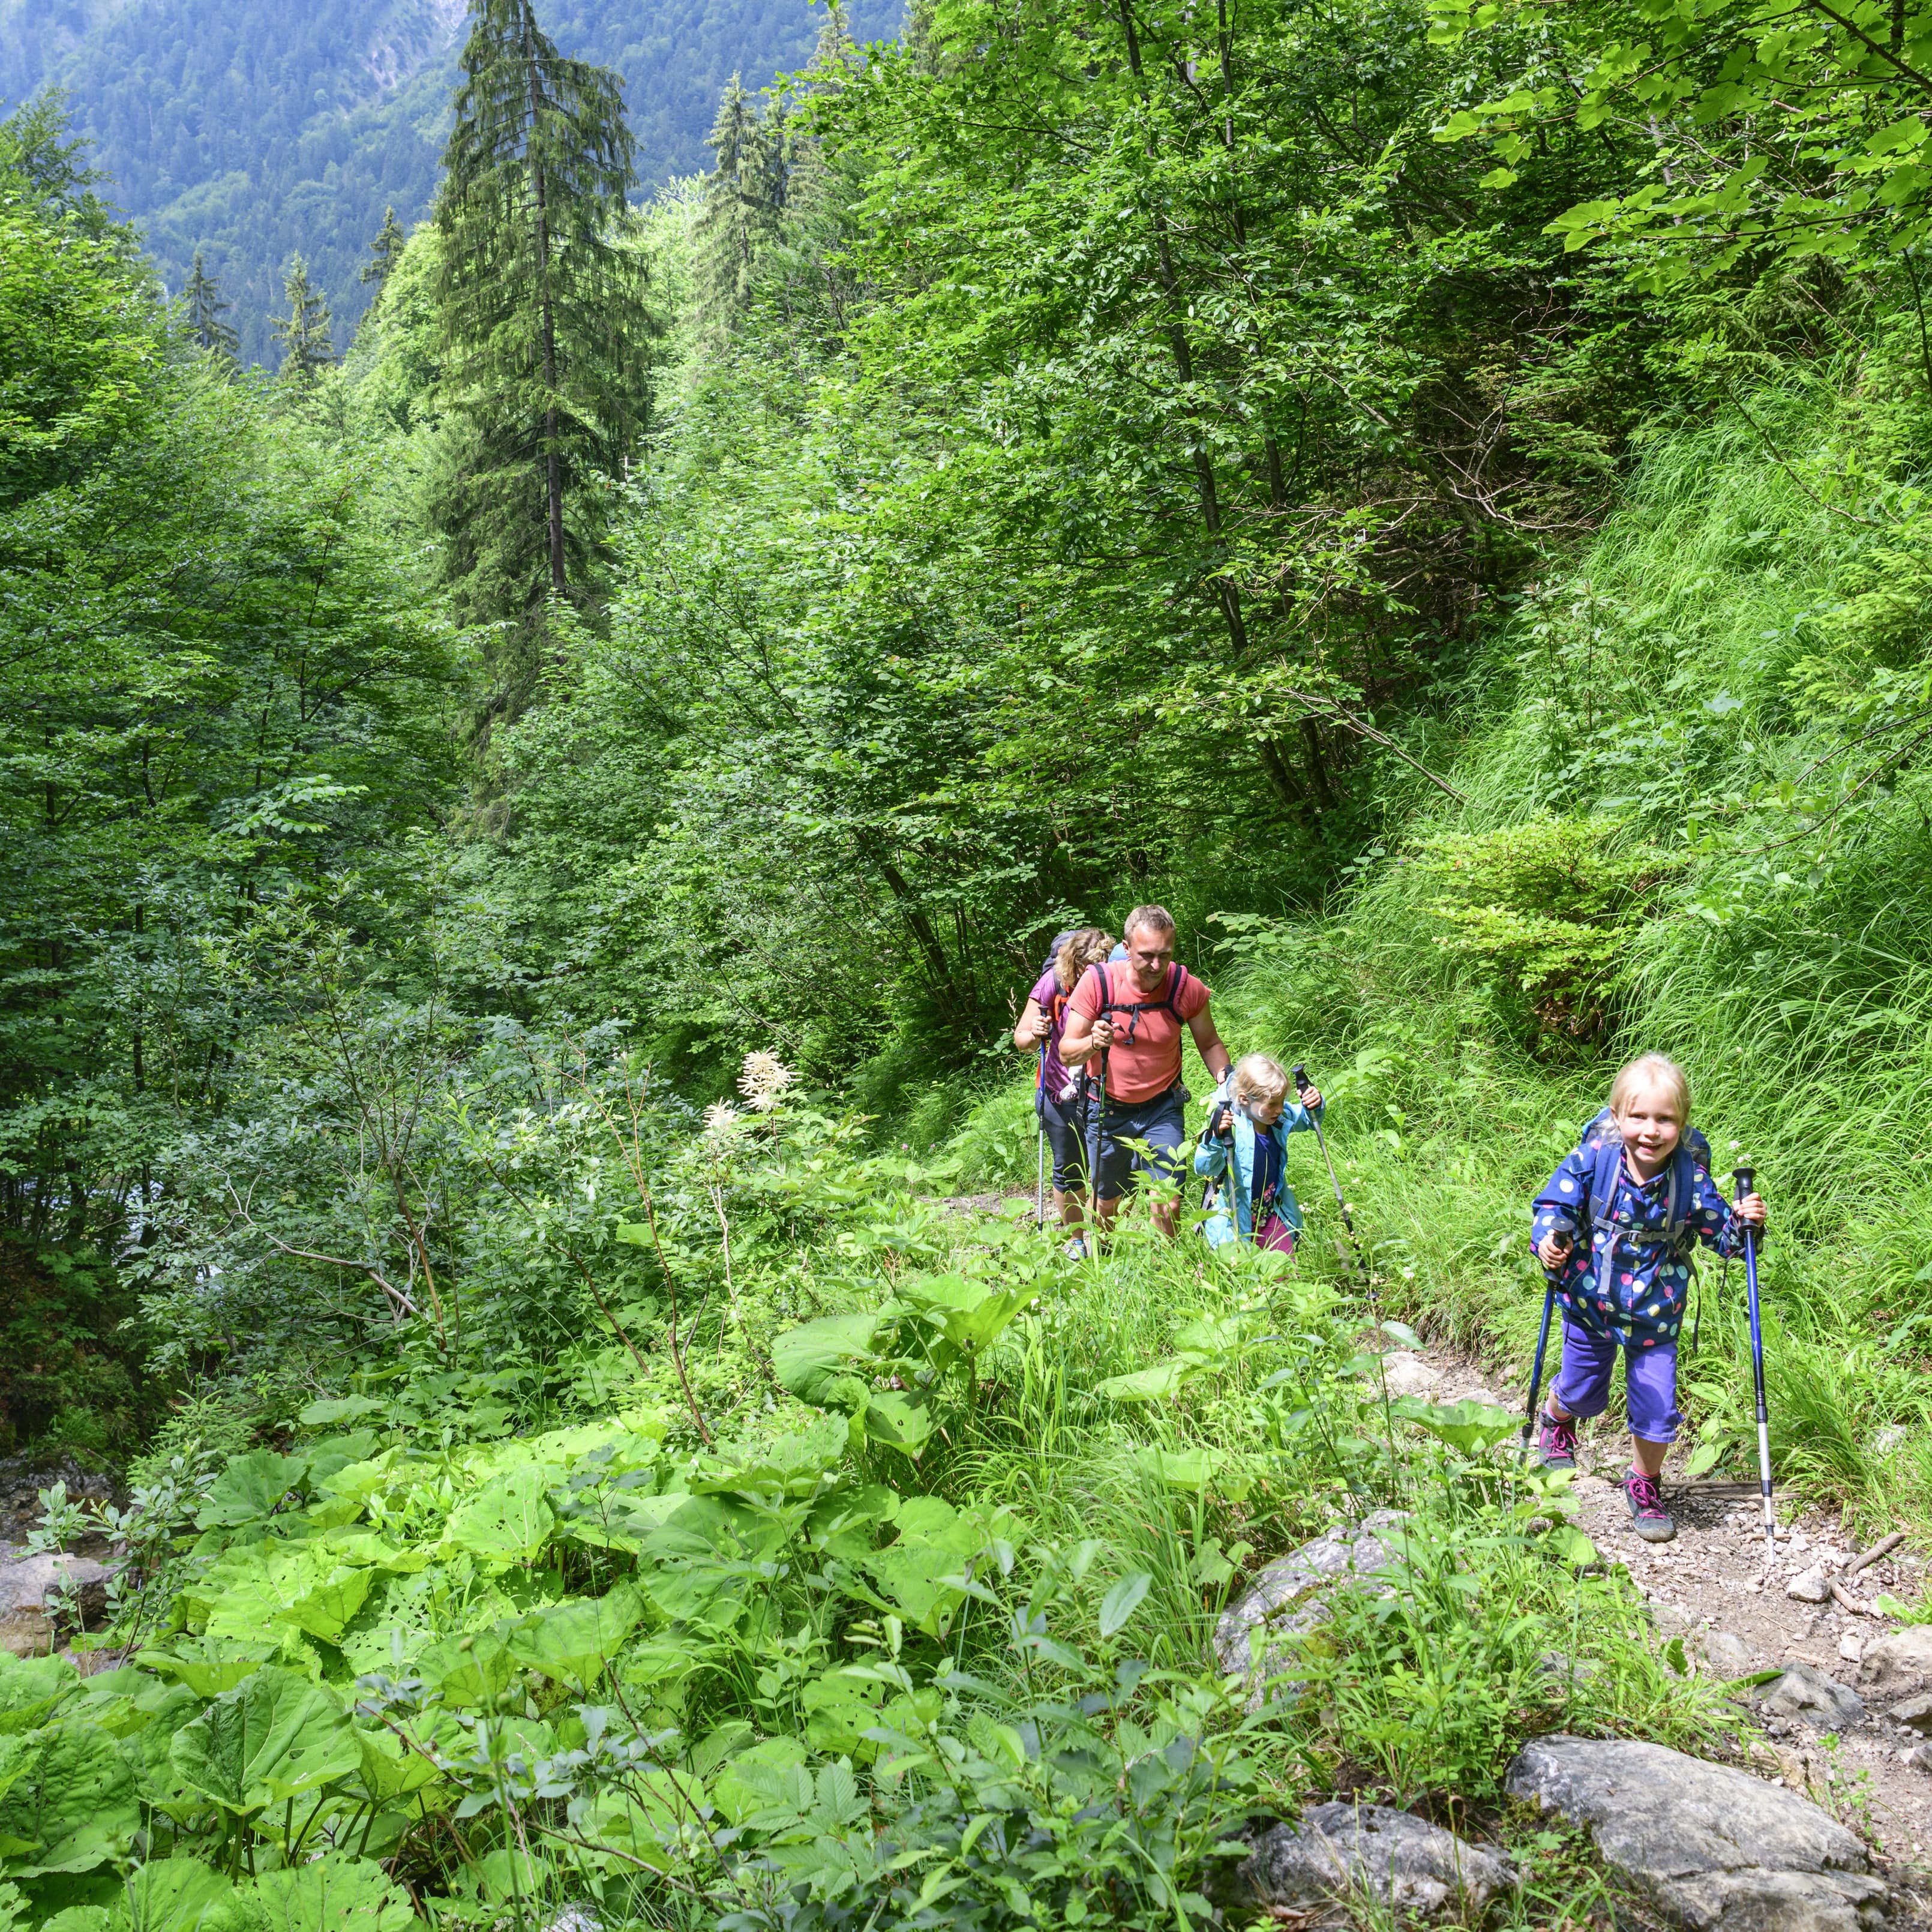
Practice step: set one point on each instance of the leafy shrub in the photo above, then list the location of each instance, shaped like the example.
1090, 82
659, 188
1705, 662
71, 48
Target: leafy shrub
1543, 909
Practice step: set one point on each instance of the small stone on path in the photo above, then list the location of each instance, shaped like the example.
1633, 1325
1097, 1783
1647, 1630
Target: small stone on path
1712, 1847
1407, 1373
1808, 1586
1916, 1712
1727, 1654
1400, 1863
1898, 1658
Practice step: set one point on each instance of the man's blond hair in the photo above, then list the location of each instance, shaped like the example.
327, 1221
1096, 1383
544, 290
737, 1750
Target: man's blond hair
1153, 918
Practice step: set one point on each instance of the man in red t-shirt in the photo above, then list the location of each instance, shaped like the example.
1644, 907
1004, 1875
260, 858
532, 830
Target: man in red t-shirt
1139, 1045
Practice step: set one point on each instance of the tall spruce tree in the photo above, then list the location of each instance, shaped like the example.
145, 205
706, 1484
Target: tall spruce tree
385, 251
542, 295
205, 308
743, 195
304, 332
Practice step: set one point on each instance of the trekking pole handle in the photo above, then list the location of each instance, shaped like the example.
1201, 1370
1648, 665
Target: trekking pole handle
1301, 1078
1741, 1178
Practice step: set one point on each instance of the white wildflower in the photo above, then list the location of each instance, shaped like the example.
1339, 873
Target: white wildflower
720, 1117
762, 1079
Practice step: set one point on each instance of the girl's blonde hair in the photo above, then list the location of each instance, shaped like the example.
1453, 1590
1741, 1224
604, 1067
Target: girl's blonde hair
1652, 1069
1256, 1077
1085, 946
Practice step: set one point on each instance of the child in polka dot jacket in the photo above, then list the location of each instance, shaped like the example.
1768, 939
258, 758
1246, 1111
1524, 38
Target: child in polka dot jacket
1636, 1301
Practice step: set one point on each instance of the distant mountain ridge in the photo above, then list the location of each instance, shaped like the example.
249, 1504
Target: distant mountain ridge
251, 129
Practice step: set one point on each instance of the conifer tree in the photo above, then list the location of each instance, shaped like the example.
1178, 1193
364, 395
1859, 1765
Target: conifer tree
541, 295
742, 196
304, 332
385, 251
203, 297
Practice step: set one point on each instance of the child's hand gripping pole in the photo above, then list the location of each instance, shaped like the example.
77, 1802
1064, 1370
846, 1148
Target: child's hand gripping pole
1302, 1084
1741, 1178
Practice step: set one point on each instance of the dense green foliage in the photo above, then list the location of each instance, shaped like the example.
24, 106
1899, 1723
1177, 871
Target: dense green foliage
1093, 454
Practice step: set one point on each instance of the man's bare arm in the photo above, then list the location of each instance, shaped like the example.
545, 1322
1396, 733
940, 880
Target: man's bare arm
1207, 1043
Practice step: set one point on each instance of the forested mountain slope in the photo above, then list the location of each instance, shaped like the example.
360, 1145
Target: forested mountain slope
520, 849
252, 132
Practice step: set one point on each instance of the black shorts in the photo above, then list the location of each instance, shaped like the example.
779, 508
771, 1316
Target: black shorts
1065, 1124
1160, 1122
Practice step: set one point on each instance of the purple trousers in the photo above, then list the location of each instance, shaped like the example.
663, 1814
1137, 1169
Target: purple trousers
1583, 1385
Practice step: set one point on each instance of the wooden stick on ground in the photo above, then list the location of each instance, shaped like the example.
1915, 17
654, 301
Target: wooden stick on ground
1848, 1602
1883, 1548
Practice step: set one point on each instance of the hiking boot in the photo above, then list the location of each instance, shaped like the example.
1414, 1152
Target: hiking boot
1648, 1517
1557, 1441
1076, 1249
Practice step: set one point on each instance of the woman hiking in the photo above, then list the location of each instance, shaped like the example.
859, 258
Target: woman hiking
1057, 1096
1646, 1203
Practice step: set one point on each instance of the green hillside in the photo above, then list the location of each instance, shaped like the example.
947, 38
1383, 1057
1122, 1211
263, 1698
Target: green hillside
251, 133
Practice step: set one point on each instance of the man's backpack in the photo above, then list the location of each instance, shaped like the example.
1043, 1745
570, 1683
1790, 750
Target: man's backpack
1604, 1144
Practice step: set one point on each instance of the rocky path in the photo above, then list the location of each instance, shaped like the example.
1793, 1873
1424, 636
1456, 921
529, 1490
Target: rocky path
1830, 1721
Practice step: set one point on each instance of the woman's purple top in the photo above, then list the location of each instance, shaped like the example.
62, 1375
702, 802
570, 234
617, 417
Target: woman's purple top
1059, 1076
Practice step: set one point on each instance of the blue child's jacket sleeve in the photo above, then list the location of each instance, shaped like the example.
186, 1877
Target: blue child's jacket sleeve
1297, 1119
1210, 1157
1561, 1206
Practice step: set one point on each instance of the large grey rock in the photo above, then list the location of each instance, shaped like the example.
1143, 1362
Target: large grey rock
1820, 1701
1368, 1851
28, 1584
1406, 1373
1286, 1598
1808, 1586
1712, 1848
1898, 1658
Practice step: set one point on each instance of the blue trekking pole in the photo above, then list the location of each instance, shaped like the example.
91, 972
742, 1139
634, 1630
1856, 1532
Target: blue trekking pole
1741, 1177
1299, 1076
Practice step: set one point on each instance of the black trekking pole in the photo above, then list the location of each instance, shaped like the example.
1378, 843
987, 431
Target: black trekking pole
1301, 1085
1741, 1177
1096, 1119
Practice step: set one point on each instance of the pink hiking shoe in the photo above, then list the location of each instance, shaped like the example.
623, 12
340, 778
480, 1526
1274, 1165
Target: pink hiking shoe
1557, 1441
1648, 1517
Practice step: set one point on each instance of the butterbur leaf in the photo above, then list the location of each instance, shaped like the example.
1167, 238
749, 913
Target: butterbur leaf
808, 1361
31, 1688
901, 1422
1122, 1601
1154, 1384
250, 1488
1180, 1469
71, 1804
507, 1521
334, 1893
1471, 1427
210, 1665
468, 1672
180, 1894
272, 1737
572, 1642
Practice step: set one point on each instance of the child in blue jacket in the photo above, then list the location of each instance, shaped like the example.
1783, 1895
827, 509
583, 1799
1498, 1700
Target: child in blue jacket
1627, 1286
1249, 1122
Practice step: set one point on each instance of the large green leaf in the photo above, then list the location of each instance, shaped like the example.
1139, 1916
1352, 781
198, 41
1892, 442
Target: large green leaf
209, 1666
1154, 1384
506, 1521
468, 1672
811, 1360
71, 1805
303, 1585
900, 1421
1469, 1426
30, 1688
334, 1893
573, 1642
180, 1894
250, 1487
272, 1737
969, 1314
788, 1465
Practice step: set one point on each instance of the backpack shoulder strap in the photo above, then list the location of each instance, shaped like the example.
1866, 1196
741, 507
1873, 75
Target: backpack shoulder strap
1099, 970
